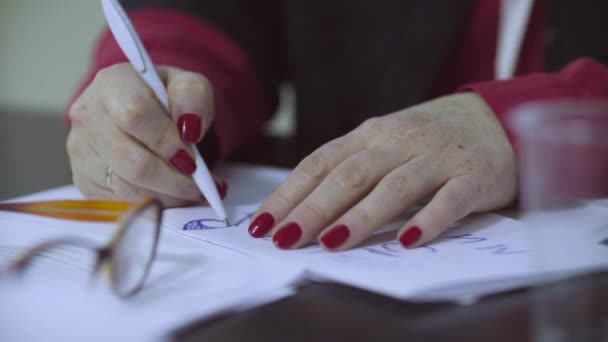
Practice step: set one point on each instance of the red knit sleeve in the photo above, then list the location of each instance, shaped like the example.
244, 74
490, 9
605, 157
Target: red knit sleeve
582, 79
177, 39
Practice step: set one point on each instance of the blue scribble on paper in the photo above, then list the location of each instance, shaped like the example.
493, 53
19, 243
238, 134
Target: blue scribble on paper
396, 248
205, 224
209, 224
500, 249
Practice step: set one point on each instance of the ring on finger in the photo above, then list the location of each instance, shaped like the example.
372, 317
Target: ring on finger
109, 174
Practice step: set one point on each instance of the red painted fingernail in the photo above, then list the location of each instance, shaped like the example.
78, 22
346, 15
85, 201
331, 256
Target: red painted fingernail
189, 126
287, 235
222, 189
183, 162
335, 237
261, 225
410, 237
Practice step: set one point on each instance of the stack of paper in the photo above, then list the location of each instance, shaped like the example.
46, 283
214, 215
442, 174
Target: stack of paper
204, 267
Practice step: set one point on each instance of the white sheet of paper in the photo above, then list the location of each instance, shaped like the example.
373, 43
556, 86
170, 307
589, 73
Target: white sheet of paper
484, 254
189, 281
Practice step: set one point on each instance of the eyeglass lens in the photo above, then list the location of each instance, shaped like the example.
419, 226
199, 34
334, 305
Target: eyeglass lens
134, 251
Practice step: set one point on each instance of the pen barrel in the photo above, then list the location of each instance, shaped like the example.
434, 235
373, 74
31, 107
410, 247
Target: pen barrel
202, 178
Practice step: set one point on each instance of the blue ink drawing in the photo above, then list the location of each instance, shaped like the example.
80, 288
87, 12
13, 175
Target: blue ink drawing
209, 224
466, 238
396, 248
500, 249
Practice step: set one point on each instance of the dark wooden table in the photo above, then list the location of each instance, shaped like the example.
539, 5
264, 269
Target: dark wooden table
332, 312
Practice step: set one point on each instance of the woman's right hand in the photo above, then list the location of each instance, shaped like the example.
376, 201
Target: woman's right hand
118, 124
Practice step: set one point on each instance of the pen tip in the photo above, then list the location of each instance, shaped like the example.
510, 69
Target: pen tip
227, 222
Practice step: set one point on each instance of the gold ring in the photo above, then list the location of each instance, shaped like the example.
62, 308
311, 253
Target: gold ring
109, 178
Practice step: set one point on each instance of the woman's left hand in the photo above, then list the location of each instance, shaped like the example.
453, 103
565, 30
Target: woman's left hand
452, 148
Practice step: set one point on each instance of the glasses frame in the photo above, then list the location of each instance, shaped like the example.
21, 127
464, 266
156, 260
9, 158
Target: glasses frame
104, 253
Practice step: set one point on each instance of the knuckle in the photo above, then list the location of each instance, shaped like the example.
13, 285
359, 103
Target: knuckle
371, 126
282, 198
134, 113
161, 139
142, 168
464, 194
312, 209
350, 176
315, 166
73, 146
363, 216
193, 84
399, 186
107, 74
77, 112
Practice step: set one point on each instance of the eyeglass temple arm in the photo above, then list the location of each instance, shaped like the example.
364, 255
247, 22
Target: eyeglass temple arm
21, 263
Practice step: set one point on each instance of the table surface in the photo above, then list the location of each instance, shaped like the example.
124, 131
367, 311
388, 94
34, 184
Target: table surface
336, 312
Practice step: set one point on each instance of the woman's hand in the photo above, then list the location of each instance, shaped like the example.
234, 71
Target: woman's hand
452, 148
118, 124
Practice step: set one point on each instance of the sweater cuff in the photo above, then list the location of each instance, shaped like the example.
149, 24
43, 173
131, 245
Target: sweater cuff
180, 40
581, 79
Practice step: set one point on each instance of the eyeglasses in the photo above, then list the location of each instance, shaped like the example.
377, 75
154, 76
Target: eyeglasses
128, 255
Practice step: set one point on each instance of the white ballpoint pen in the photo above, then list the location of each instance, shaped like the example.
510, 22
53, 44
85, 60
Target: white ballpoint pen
132, 47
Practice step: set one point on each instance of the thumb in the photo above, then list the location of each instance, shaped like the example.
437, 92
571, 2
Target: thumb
190, 102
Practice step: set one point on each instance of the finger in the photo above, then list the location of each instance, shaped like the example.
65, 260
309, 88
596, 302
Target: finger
85, 165
139, 166
344, 186
134, 194
453, 201
395, 193
134, 109
302, 181
190, 102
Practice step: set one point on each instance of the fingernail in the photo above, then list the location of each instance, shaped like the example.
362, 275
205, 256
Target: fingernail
335, 236
189, 126
261, 225
183, 162
287, 235
410, 237
222, 189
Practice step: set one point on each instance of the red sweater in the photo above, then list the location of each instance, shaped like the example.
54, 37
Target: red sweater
178, 39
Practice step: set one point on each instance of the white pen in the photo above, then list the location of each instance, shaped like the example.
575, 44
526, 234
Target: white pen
131, 46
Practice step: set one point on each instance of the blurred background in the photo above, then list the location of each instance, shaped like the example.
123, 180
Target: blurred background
44, 51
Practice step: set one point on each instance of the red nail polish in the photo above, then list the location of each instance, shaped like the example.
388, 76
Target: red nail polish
183, 162
261, 225
410, 237
222, 189
288, 235
335, 236
189, 126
